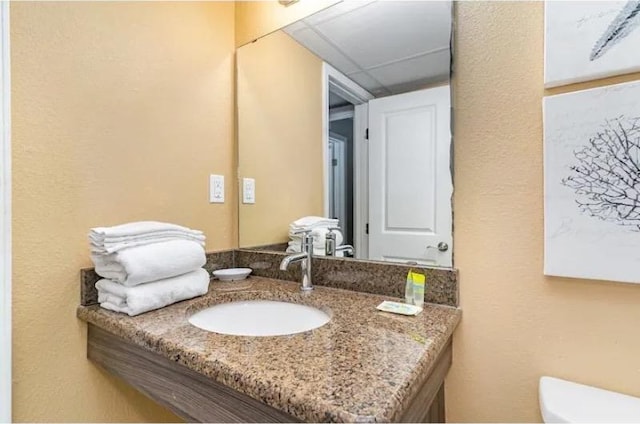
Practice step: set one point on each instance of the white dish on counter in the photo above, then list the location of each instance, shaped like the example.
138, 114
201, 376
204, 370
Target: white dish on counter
232, 274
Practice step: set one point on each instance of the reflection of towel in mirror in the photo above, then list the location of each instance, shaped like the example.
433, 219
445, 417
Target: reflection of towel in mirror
150, 296
141, 264
311, 222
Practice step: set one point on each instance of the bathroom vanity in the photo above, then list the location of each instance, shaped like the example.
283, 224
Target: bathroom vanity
363, 365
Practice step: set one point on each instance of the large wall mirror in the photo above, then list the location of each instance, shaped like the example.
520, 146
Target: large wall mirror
346, 115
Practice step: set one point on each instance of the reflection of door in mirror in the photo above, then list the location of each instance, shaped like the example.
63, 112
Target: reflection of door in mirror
340, 173
351, 121
409, 177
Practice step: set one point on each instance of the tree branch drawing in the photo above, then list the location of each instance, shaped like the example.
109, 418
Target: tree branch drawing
606, 178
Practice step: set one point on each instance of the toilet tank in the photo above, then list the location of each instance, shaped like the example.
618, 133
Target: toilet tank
563, 401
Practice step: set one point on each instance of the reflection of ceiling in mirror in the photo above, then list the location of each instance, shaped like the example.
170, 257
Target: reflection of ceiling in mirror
387, 47
336, 101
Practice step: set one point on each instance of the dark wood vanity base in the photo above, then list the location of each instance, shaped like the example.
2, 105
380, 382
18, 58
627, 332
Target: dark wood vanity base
188, 394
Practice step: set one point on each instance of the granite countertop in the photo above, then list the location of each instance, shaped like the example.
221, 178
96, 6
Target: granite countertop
364, 365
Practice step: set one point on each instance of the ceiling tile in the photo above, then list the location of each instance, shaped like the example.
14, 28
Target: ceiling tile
430, 67
387, 31
342, 8
312, 41
368, 83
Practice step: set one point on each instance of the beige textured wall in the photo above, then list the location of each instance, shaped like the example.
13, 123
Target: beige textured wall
517, 324
120, 112
257, 18
280, 135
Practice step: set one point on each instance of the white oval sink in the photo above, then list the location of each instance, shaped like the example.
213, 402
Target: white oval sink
259, 318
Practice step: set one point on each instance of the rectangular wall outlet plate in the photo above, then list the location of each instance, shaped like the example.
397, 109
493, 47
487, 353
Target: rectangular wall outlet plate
248, 191
216, 188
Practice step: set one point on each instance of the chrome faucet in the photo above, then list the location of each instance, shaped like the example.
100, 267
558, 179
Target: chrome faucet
304, 257
330, 248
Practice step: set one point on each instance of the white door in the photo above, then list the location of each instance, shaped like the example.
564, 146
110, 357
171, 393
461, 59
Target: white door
410, 183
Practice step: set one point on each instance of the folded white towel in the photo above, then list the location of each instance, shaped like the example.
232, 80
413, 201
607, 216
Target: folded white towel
193, 234
115, 245
151, 262
139, 228
150, 296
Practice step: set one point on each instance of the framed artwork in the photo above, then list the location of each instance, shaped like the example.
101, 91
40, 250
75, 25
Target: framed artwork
587, 40
592, 183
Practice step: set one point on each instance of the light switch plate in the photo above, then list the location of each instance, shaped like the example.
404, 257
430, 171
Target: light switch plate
216, 188
248, 191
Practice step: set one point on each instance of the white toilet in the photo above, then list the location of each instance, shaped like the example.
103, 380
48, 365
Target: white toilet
563, 401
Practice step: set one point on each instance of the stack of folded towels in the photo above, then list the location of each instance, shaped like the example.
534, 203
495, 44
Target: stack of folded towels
319, 228
147, 265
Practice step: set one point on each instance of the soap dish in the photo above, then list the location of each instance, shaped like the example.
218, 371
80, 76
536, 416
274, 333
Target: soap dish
232, 274
399, 308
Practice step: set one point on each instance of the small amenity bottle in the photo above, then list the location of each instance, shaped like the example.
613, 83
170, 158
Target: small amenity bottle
408, 289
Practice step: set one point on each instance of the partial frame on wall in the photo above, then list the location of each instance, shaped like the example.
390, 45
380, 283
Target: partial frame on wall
5, 217
592, 183
587, 40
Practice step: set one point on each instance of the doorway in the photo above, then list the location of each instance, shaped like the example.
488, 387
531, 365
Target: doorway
341, 164
345, 156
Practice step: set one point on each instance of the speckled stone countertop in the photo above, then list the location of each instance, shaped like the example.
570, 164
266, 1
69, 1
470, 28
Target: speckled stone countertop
364, 365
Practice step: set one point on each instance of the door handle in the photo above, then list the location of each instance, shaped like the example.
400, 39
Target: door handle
442, 246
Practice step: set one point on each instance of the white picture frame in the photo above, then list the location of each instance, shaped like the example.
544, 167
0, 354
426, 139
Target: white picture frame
588, 40
592, 184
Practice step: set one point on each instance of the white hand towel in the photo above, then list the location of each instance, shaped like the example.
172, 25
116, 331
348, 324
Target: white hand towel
99, 240
141, 264
107, 247
133, 229
150, 296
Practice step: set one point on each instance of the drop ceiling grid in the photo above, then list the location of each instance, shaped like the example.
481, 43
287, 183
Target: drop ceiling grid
343, 37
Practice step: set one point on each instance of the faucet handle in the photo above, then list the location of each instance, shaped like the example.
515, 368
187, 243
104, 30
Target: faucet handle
307, 239
330, 235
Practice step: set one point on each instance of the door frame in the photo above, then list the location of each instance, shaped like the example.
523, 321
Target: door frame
5, 217
336, 81
361, 181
